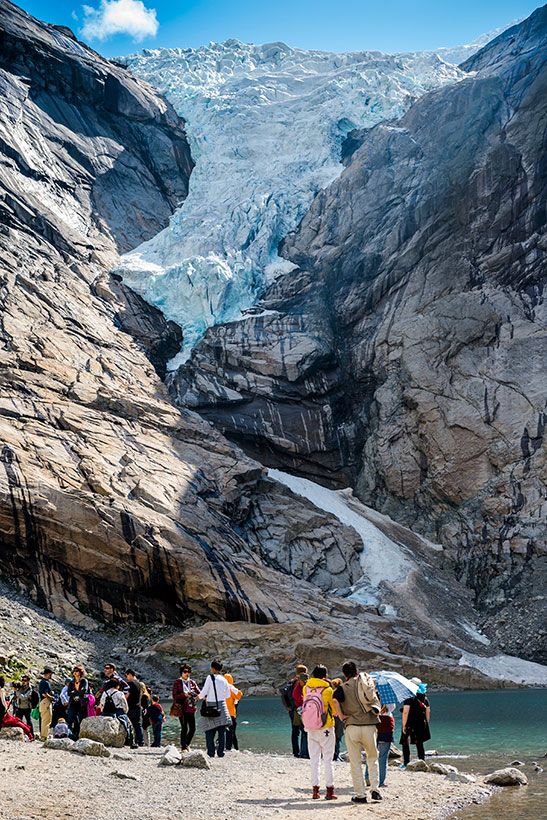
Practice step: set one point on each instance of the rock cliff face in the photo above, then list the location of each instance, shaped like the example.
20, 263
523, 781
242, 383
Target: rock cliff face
405, 355
112, 501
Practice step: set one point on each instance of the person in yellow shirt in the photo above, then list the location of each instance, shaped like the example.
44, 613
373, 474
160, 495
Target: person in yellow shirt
318, 711
231, 703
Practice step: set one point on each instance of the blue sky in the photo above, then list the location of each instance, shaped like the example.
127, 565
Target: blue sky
121, 26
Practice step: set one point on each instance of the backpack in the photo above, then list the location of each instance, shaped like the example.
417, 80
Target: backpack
286, 695
34, 699
314, 715
109, 708
367, 694
145, 695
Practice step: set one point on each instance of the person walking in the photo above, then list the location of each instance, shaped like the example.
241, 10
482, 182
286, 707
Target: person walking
156, 716
77, 690
214, 712
299, 739
360, 709
25, 699
134, 705
415, 723
45, 690
185, 694
231, 703
384, 740
318, 709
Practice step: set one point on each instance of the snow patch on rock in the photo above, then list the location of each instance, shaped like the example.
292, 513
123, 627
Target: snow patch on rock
382, 559
507, 667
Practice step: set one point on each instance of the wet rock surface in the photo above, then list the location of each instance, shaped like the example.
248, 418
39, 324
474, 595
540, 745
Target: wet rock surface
404, 355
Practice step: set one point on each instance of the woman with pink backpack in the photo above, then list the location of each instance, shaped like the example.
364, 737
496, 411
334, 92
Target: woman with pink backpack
318, 710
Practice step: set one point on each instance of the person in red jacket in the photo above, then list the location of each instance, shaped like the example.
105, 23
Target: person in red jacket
298, 699
384, 740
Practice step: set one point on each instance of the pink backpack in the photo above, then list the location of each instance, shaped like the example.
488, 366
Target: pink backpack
313, 709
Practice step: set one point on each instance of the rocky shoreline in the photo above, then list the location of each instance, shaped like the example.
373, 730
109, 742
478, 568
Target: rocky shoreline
41, 783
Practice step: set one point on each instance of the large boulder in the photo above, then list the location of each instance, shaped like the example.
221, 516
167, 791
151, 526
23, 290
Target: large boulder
107, 730
12, 733
507, 777
91, 747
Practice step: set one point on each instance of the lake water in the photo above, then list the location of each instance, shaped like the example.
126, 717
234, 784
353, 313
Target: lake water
489, 728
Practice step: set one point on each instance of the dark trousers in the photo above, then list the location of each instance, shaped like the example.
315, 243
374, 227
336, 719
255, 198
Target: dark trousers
187, 729
420, 751
74, 718
24, 715
135, 716
231, 737
299, 739
210, 741
157, 726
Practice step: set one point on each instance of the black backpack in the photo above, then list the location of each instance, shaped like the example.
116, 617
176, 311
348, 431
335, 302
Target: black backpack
109, 708
286, 694
34, 699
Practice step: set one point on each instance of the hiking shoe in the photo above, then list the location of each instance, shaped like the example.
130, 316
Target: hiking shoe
357, 799
376, 796
315, 793
330, 795
402, 765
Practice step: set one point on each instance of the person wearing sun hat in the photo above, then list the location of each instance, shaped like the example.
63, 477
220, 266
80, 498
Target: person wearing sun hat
415, 729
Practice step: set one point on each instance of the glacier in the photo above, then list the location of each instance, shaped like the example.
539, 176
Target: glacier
265, 124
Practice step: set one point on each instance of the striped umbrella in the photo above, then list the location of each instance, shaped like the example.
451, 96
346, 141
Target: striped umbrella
393, 687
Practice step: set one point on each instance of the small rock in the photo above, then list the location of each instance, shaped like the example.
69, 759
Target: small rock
12, 733
442, 768
63, 743
394, 753
431, 753
517, 763
418, 766
20, 767
195, 760
121, 756
507, 777
460, 777
26, 620
537, 768
91, 747
170, 757
124, 776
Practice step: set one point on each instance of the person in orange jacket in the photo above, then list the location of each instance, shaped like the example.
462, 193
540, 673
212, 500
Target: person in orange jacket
231, 703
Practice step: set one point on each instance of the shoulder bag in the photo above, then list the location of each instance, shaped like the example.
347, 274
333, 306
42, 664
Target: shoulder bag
208, 709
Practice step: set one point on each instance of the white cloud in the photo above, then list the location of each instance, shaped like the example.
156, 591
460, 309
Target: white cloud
119, 17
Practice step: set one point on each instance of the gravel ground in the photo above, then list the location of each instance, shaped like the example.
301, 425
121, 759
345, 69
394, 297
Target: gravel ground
41, 783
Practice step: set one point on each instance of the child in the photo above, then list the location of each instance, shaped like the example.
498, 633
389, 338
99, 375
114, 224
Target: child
384, 740
156, 716
61, 729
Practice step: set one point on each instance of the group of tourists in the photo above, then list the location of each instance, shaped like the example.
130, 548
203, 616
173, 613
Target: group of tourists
324, 710
60, 713
128, 699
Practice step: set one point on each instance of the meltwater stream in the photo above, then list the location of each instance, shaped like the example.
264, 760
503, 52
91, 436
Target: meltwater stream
479, 730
